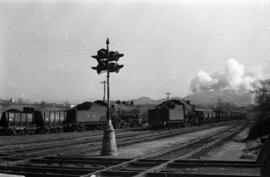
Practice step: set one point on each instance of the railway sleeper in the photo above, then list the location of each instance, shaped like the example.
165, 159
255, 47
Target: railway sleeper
36, 174
99, 159
60, 167
172, 174
51, 170
119, 173
202, 163
144, 164
84, 163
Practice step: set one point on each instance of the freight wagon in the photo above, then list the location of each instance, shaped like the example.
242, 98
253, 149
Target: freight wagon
51, 120
14, 121
204, 115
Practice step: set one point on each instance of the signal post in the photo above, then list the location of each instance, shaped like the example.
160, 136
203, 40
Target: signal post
107, 62
104, 90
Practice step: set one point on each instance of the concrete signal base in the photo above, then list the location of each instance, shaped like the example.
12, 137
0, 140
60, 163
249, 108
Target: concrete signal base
109, 147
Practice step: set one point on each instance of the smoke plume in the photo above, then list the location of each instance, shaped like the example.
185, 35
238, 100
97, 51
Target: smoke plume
234, 78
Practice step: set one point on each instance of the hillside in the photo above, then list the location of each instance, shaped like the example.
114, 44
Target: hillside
211, 97
148, 100
229, 96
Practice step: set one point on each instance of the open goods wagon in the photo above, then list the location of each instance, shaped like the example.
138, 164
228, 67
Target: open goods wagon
204, 115
14, 121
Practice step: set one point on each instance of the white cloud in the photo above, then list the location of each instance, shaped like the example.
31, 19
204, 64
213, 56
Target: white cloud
235, 77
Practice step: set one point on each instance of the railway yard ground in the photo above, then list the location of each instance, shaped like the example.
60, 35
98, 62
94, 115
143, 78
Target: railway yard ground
144, 148
234, 149
214, 149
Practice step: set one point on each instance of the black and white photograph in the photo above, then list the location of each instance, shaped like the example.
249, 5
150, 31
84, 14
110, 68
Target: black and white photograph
135, 88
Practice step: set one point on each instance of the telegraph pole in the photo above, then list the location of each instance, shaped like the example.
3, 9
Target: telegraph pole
104, 90
168, 95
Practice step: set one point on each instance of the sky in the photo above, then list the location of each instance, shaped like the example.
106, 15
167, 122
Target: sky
46, 46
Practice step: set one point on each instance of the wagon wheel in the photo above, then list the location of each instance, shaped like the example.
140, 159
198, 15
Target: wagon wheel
74, 128
61, 130
116, 126
47, 131
2, 132
84, 128
10, 131
169, 125
80, 128
57, 130
54, 130
103, 126
25, 131
19, 132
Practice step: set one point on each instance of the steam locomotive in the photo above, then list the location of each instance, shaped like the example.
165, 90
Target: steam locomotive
179, 113
85, 116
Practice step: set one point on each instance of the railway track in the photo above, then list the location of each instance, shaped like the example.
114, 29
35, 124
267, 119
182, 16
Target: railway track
39, 138
56, 142
23, 142
151, 165
14, 155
